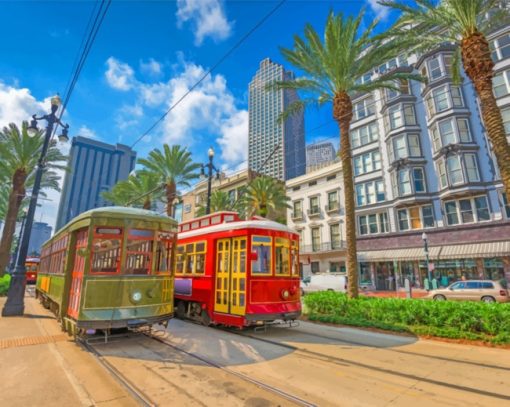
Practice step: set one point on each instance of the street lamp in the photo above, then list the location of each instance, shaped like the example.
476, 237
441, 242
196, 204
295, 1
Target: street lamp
426, 248
13, 261
15, 297
210, 166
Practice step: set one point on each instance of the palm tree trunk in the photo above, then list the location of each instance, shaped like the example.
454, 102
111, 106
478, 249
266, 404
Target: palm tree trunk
15, 198
479, 67
147, 204
342, 113
170, 196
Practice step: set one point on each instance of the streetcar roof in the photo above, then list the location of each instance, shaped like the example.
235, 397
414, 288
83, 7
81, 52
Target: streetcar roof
121, 211
236, 225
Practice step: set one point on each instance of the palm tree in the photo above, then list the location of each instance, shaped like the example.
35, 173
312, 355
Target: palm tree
174, 167
465, 23
19, 154
331, 68
220, 201
139, 190
264, 196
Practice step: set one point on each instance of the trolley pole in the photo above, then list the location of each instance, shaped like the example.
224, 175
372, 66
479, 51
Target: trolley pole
15, 304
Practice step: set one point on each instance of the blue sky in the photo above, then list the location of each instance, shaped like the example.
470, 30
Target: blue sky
146, 55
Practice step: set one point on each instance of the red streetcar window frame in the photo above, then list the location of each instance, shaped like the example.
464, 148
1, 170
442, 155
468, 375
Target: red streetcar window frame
98, 235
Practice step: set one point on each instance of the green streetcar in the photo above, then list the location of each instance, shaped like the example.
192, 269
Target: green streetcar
110, 268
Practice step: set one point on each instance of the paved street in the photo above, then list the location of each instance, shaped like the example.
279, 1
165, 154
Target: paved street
190, 365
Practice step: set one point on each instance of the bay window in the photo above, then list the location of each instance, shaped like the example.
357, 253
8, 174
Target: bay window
407, 181
458, 169
404, 146
501, 84
444, 98
364, 135
468, 210
500, 47
403, 89
418, 217
450, 131
400, 115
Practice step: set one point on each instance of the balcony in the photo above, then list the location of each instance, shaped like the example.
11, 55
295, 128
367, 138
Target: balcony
322, 247
297, 215
333, 207
314, 212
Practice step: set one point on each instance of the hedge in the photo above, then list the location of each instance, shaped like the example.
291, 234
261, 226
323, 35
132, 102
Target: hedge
459, 320
4, 284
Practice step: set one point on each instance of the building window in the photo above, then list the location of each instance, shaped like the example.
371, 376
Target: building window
314, 205
364, 108
370, 192
454, 170
333, 201
367, 162
364, 135
459, 169
415, 218
501, 84
434, 68
402, 85
467, 210
500, 47
373, 224
336, 241
505, 113
404, 146
316, 239
407, 181
506, 205
400, 115
298, 209
450, 131
444, 98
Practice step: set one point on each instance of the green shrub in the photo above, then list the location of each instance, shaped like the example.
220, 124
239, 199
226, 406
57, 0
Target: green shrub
4, 284
462, 320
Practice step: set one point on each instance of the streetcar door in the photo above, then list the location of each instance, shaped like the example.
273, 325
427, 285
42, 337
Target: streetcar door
230, 292
77, 273
221, 303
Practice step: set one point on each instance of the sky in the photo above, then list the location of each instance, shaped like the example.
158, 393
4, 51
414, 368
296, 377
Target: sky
146, 55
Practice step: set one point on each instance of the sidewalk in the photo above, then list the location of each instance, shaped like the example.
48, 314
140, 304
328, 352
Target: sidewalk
41, 366
416, 293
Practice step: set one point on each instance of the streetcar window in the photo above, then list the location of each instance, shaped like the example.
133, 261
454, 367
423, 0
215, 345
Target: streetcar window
261, 247
139, 256
141, 233
215, 220
180, 259
282, 254
164, 253
195, 258
105, 255
204, 222
294, 258
108, 231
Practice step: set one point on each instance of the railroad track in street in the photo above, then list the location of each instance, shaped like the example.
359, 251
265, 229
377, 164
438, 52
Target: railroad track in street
274, 390
342, 361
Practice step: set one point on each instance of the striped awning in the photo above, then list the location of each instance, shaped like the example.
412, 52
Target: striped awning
459, 251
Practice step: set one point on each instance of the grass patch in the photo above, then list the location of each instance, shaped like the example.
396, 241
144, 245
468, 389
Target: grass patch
448, 319
5, 281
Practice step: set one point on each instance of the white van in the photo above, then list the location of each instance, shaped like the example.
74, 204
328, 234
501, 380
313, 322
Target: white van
324, 282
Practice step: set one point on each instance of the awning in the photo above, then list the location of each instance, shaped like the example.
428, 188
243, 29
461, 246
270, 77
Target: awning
459, 251
478, 250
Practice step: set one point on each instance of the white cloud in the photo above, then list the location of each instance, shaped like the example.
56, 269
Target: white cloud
119, 75
207, 18
234, 138
379, 10
151, 67
87, 132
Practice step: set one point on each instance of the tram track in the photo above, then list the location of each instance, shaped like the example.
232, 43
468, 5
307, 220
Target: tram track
342, 361
271, 389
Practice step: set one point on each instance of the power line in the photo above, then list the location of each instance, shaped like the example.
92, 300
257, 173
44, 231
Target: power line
223, 58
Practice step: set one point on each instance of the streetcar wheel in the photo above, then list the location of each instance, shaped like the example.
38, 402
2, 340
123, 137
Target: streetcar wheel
206, 319
180, 311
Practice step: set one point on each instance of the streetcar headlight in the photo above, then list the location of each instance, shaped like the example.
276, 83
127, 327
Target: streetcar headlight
136, 296
285, 294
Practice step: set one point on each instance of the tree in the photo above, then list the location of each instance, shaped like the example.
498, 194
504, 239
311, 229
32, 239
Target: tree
264, 196
331, 68
19, 154
464, 23
174, 168
139, 190
220, 201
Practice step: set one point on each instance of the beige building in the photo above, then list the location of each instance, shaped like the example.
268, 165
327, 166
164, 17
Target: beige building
231, 184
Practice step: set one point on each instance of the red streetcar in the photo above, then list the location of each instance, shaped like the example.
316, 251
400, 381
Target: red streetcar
237, 273
32, 268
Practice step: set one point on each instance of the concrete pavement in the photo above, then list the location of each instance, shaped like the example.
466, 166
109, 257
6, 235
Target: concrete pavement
42, 366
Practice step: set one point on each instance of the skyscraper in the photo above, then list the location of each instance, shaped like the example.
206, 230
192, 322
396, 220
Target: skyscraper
40, 233
265, 133
94, 167
319, 153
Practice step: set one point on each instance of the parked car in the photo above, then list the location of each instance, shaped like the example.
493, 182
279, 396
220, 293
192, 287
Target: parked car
324, 282
472, 290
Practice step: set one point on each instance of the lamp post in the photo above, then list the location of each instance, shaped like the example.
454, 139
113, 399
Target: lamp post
13, 261
15, 297
426, 248
210, 167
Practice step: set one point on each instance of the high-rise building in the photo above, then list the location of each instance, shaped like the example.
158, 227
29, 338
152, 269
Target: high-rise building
41, 232
265, 132
318, 154
94, 167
